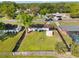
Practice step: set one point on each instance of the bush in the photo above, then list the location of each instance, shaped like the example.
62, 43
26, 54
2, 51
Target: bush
2, 26
60, 47
74, 15
75, 49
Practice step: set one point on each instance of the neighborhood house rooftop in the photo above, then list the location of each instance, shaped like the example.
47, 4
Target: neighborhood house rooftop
70, 28
9, 26
57, 14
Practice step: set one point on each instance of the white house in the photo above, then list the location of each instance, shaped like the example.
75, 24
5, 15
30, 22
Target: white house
57, 16
40, 27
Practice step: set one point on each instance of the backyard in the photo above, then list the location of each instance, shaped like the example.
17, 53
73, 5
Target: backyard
9, 43
39, 41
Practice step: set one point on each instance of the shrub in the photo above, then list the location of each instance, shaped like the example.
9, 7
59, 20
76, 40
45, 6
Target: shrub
75, 49
2, 26
60, 47
74, 15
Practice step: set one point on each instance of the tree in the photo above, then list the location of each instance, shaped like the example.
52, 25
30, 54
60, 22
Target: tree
2, 27
74, 10
44, 11
60, 47
75, 49
8, 9
24, 18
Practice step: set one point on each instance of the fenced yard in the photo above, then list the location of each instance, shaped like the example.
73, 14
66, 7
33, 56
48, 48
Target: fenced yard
39, 41
9, 43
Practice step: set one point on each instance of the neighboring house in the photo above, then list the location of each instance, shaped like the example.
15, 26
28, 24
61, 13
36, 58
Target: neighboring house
11, 28
66, 16
40, 27
17, 11
57, 16
27, 11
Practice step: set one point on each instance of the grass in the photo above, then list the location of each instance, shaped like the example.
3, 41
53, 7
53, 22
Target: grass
67, 38
69, 23
6, 21
8, 44
3, 18
37, 17
38, 22
38, 41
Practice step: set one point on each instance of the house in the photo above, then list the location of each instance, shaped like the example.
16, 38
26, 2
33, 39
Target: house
11, 28
40, 27
57, 16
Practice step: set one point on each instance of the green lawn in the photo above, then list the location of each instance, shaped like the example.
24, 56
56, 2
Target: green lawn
5, 20
38, 41
69, 23
67, 38
8, 44
38, 22
37, 17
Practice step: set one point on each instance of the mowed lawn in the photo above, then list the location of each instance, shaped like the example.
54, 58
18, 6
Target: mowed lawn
69, 23
8, 44
38, 41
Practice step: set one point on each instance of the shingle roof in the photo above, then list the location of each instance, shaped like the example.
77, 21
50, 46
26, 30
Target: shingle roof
40, 26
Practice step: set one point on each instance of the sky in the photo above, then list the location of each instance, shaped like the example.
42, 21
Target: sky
22, 1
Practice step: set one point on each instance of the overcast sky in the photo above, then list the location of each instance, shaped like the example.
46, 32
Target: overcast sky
22, 1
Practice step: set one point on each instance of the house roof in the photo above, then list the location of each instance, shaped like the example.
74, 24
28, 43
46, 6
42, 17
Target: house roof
70, 28
40, 26
9, 26
57, 14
